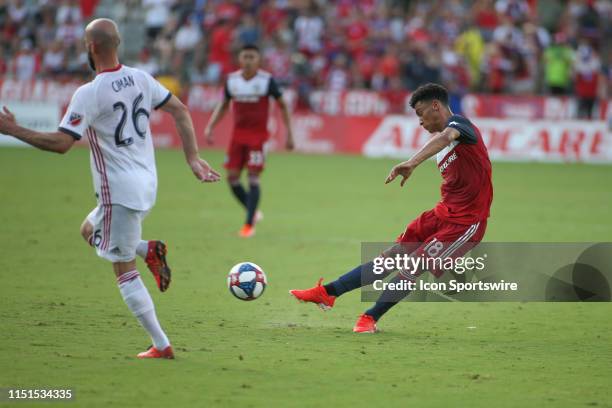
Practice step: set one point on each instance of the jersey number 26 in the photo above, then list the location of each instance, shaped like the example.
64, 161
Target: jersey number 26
136, 113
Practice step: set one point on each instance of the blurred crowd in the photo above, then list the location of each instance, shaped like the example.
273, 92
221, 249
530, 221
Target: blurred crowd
42, 39
498, 46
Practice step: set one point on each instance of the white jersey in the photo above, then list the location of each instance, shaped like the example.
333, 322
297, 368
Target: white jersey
113, 112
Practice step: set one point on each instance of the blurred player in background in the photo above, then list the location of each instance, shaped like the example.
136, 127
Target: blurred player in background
113, 111
250, 89
451, 229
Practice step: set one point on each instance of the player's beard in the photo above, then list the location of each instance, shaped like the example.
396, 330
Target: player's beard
92, 64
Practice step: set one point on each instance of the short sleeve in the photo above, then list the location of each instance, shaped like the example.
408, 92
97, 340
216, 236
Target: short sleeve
467, 134
273, 89
76, 119
159, 93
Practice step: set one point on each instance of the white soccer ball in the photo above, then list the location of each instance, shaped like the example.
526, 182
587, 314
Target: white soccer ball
246, 281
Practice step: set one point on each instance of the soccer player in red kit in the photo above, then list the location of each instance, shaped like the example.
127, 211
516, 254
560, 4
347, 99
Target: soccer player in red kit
249, 89
448, 231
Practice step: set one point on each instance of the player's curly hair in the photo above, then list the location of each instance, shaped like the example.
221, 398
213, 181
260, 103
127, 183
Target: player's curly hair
429, 92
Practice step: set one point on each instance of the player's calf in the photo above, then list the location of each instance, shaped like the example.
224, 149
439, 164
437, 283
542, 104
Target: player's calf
233, 179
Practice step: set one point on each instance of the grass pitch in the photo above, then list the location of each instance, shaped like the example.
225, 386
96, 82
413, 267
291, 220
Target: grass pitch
65, 325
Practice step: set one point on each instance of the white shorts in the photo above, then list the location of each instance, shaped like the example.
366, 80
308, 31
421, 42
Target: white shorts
117, 231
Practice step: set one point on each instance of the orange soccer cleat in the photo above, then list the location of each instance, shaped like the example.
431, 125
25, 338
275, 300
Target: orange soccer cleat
156, 262
152, 352
317, 295
247, 231
365, 324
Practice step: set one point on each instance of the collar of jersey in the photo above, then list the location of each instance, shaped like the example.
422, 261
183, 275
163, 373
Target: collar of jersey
117, 68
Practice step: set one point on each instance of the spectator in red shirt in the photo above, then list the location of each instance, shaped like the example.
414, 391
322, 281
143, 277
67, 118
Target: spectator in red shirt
220, 47
587, 71
389, 65
496, 67
485, 17
3, 65
271, 17
229, 11
356, 32
366, 63
396, 96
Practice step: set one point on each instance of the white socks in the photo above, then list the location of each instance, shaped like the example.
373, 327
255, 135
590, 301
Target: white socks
142, 249
138, 300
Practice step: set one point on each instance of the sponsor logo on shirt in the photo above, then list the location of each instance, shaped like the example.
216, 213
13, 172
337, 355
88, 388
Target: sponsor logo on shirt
448, 161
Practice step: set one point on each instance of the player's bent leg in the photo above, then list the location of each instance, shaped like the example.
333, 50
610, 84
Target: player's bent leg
449, 241
120, 235
86, 231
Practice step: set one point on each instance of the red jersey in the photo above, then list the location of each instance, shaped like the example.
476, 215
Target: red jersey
467, 190
251, 104
220, 47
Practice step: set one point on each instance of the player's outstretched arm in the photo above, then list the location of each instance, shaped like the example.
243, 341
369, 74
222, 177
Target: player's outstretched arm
289, 144
58, 142
216, 116
184, 125
438, 142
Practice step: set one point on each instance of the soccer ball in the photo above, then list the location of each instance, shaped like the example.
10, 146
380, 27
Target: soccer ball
246, 281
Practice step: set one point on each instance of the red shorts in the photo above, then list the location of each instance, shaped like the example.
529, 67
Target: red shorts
249, 155
431, 237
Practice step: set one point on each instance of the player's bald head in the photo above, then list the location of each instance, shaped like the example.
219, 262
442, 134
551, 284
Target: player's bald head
103, 32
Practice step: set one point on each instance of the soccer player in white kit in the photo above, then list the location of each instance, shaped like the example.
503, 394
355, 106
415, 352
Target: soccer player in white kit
113, 112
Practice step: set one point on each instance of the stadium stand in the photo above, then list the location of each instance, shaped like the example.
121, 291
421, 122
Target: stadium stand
514, 47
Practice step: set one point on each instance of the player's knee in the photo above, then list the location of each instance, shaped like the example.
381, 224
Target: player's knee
233, 178
253, 178
87, 232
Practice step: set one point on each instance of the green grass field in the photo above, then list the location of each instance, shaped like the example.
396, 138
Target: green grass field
64, 323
